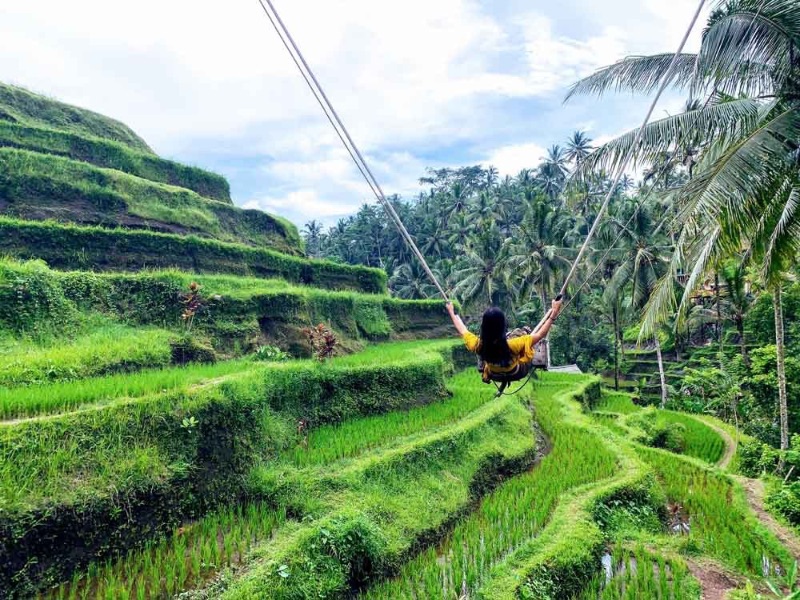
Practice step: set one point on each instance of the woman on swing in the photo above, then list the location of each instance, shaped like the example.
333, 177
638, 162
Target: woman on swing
504, 359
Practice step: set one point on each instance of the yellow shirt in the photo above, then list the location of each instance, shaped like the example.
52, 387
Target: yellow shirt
522, 352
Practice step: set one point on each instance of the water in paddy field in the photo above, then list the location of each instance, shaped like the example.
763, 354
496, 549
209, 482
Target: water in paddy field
608, 566
768, 569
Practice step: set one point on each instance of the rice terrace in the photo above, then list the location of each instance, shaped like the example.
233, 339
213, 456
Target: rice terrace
577, 380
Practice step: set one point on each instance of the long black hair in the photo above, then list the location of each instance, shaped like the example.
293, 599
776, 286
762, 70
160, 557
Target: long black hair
494, 346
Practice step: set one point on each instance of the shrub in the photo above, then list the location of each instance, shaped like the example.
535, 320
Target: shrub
192, 302
322, 341
32, 302
786, 500
270, 354
708, 390
658, 433
638, 506
757, 458
669, 436
762, 400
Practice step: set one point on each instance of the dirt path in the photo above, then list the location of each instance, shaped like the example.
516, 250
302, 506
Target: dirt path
730, 445
754, 489
715, 582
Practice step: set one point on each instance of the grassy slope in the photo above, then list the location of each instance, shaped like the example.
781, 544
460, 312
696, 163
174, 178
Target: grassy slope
77, 394
361, 496
71, 473
700, 440
380, 506
722, 525
100, 349
54, 325
41, 186
65, 246
114, 155
21, 106
560, 561
353, 482
122, 425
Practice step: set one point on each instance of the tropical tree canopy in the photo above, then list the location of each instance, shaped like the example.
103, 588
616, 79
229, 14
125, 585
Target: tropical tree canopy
740, 141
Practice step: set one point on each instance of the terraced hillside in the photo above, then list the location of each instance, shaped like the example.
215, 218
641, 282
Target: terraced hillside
409, 481
69, 165
168, 432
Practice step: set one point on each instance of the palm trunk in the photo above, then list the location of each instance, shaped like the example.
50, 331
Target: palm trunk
661, 373
777, 303
742, 341
616, 347
719, 324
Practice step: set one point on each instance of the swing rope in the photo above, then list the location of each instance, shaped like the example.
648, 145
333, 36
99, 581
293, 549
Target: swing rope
358, 158
642, 203
632, 150
344, 134
361, 163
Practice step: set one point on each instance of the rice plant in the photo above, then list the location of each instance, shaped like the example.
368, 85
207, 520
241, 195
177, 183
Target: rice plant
514, 513
617, 403
721, 524
33, 400
701, 441
696, 438
110, 348
187, 559
636, 574
335, 442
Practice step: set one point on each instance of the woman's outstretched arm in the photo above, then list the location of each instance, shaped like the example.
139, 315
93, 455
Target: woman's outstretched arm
543, 328
457, 322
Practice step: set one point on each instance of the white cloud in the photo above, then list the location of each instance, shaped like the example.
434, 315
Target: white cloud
305, 202
556, 61
510, 160
417, 82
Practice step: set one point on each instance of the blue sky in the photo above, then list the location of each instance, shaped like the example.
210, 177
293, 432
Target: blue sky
419, 83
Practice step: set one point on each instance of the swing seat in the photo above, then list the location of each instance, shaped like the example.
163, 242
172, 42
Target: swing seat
539, 361
518, 374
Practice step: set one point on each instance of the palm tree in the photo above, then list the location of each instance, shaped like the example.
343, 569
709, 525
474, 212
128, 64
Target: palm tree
525, 179
531, 257
477, 279
435, 244
579, 147
745, 190
459, 231
456, 199
312, 233
556, 161
490, 178
552, 173
642, 263
410, 282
